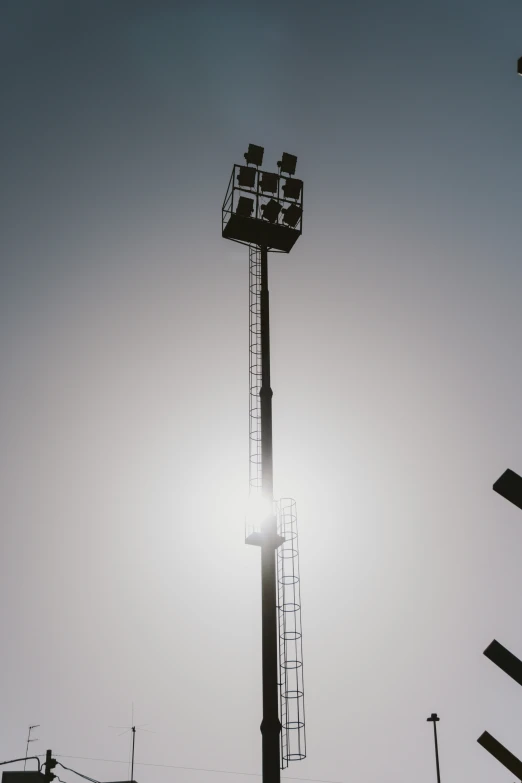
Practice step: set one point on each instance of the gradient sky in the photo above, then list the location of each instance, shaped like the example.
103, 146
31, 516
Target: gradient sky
396, 326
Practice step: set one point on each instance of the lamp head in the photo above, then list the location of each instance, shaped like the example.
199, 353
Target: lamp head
271, 210
254, 155
287, 163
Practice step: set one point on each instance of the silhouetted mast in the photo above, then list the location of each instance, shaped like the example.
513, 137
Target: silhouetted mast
434, 719
29, 739
264, 211
133, 730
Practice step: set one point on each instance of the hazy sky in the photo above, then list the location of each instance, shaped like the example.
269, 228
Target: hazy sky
396, 326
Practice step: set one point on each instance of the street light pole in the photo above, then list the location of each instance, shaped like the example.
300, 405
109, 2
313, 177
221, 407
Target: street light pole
434, 719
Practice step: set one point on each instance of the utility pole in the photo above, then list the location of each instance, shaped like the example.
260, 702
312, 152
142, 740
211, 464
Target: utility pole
50, 764
434, 719
36, 725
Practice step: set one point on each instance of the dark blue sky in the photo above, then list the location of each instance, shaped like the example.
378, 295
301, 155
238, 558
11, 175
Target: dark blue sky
396, 375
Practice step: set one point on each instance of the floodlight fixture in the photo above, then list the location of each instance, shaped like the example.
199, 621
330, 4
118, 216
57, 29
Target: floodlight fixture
254, 155
292, 215
245, 206
287, 163
249, 187
269, 182
271, 210
246, 177
520, 66
292, 188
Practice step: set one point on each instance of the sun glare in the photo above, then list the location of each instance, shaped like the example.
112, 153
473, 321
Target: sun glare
258, 509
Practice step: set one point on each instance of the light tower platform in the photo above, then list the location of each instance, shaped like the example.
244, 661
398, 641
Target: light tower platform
263, 209
256, 231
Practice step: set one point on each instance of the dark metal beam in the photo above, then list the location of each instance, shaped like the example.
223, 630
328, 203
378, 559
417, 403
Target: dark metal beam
505, 660
509, 485
501, 754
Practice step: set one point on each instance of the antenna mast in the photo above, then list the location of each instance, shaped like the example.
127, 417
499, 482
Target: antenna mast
36, 725
133, 741
133, 729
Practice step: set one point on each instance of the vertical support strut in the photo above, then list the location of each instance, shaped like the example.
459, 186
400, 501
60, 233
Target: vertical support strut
270, 725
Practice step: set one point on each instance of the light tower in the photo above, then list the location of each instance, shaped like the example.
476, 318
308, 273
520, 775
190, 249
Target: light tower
264, 210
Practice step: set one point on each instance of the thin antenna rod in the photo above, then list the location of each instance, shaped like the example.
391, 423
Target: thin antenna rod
36, 725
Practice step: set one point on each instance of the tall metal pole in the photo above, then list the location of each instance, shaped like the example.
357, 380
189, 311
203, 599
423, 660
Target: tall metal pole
133, 739
434, 719
270, 725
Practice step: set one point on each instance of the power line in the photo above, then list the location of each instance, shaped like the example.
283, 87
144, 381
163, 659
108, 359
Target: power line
176, 766
195, 769
78, 773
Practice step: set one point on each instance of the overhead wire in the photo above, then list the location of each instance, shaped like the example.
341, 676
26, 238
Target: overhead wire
80, 774
195, 769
